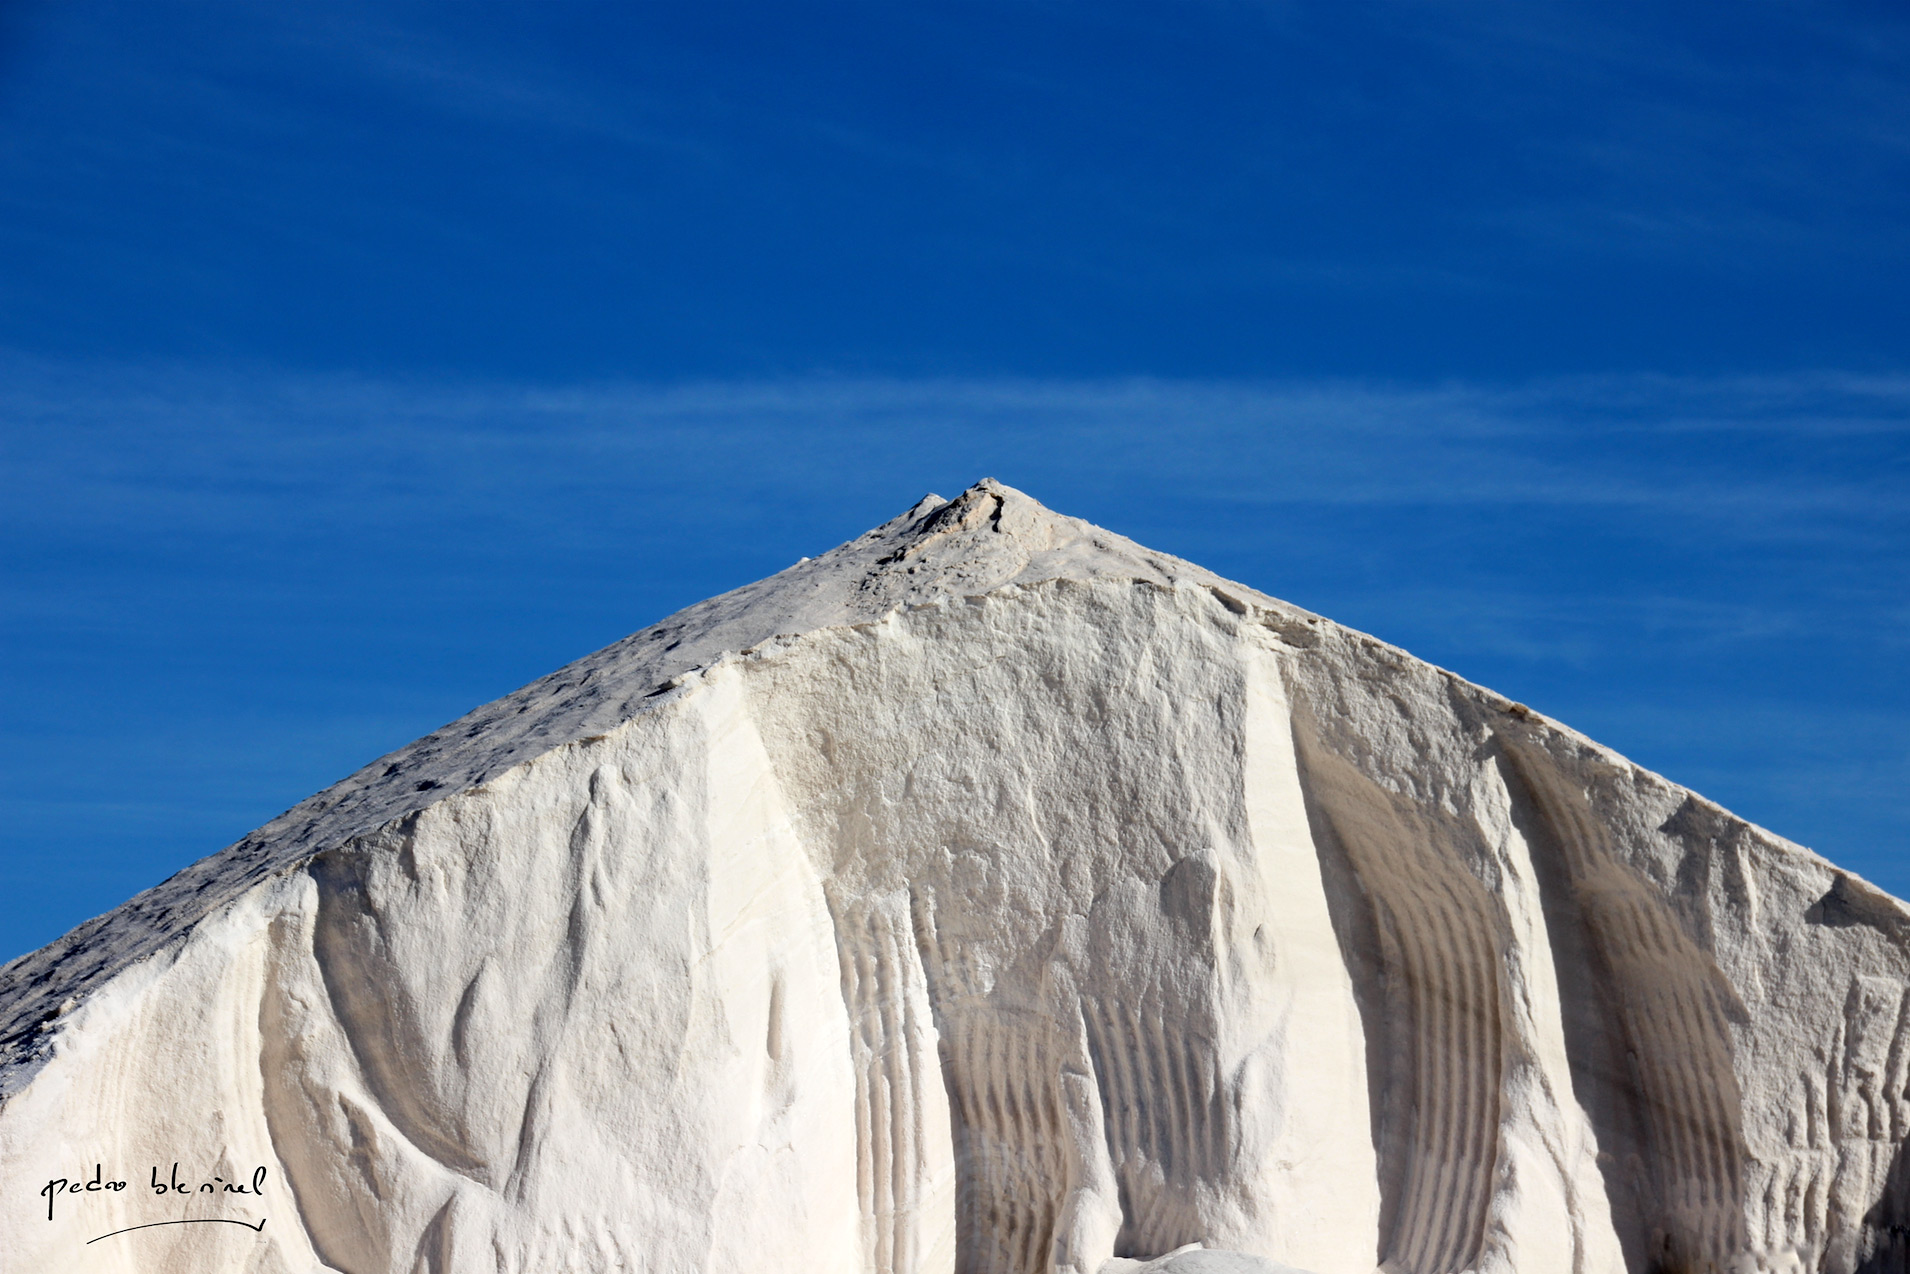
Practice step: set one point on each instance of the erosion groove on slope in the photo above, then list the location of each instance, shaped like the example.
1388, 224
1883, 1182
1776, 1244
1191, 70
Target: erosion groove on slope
1165, 1111
989, 895
1673, 1112
902, 1117
1438, 1024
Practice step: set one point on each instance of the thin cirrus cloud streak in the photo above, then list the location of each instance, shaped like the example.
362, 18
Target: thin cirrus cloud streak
448, 79
142, 441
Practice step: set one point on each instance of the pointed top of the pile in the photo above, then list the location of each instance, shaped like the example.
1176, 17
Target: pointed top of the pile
988, 537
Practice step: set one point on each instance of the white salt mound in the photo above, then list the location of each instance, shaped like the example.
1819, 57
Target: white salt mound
989, 894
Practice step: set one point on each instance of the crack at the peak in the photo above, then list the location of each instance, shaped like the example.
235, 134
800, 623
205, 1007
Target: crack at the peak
966, 512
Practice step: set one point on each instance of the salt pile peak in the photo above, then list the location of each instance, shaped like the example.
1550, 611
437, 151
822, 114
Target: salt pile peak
988, 894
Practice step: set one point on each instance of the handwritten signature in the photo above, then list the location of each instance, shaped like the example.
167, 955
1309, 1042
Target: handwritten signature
171, 1186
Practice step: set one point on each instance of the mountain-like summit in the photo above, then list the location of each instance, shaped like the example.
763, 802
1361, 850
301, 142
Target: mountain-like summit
990, 893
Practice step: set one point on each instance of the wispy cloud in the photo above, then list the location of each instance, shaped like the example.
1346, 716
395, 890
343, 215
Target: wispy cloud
1764, 454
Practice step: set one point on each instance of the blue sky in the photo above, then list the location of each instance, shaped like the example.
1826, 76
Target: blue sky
360, 363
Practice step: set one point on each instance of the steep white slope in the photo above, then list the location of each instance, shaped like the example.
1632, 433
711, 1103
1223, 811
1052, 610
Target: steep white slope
989, 894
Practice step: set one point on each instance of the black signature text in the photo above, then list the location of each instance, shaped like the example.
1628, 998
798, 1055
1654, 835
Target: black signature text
172, 1185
